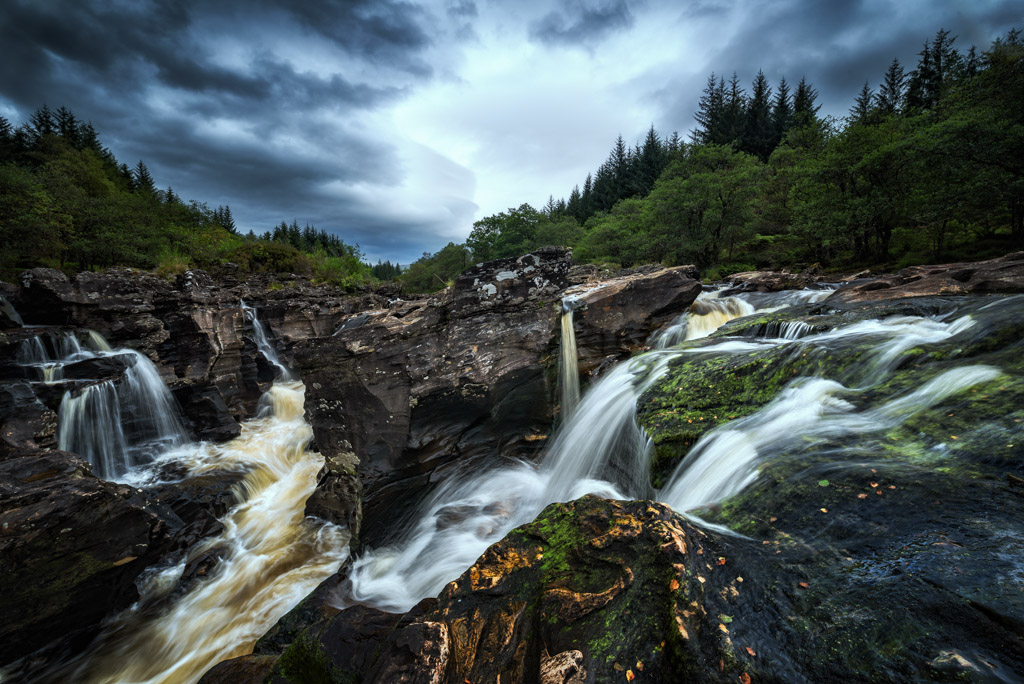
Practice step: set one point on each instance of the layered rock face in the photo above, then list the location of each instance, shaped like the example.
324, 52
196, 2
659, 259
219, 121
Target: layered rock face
424, 387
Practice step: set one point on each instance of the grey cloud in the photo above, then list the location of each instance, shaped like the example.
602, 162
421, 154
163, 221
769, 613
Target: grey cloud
580, 24
464, 9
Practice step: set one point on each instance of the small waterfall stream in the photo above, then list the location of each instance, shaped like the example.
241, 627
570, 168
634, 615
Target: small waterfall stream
264, 344
568, 375
601, 450
11, 312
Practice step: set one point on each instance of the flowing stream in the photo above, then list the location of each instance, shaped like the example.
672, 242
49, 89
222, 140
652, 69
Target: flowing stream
268, 557
600, 449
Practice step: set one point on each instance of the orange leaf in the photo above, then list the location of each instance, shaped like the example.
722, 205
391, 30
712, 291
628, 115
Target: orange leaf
862, 496
630, 676
804, 585
752, 652
874, 484
744, 678
640, 665
673, 585
721, 560
824, 510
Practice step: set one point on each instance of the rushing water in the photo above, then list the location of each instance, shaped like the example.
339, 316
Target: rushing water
265, 345
601, 450
568, 375
272, 556
11, 312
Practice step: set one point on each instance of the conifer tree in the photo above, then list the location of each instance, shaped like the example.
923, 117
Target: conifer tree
782, 112
42, 123
651, 161
170, 197
734, 112
710, 112
860, 112
228, 221
674, 143
574, 207
890, 96
759, 132
143, 181
805, 111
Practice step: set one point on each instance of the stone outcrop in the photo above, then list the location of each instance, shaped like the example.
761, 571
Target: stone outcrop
1002, 275
426, 386
772, 281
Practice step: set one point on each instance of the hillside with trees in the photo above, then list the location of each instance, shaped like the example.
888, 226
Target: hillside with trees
66, 202
927, 166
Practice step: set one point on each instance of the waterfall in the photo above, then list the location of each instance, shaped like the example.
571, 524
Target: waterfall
264, 344
271, 557
601, 450
11, 312
569, 377
117, 425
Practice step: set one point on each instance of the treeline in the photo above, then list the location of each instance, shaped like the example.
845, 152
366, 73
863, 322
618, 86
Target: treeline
928, 166
66, 202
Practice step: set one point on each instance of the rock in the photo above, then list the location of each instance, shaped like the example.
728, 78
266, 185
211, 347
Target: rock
247, 668
338, 494
204, 410
504, 284
616, 318
1004, 274
772, 281
26, 423
71, 547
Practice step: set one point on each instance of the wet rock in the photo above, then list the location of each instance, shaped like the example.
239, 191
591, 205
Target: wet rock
338, 494
247, 668
772, 281
26, 424
615, 318
1004, 274
205, 412
71, 546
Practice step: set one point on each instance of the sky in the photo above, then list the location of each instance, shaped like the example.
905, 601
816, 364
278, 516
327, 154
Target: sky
395, 124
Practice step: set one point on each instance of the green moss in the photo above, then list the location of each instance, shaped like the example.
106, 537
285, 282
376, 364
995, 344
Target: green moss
304, 662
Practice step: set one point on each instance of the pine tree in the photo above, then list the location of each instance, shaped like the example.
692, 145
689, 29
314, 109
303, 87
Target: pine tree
7, 140
143, 181
758, 131
710, 112
170, 197
674, 143
890, 96
652, 159
805, 111
734, 112
228, 221
68, 127
782, 112
127, 177
42, 123
861, 110
587, 198
575, 205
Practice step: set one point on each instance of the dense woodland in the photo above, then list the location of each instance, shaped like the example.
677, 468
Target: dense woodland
928, 165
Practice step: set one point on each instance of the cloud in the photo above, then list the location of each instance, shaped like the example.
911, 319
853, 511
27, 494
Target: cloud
581, 24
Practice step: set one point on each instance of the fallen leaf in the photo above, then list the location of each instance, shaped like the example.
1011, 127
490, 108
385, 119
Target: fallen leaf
673, 585
804, 585
721, 560
723, 628
640, 665
752, 652
873, 470
617, 667
772, 519
739, 579
878, 492
630, 676
824, 510
953, 437
862, 496
892, 486
744, 678
874, 484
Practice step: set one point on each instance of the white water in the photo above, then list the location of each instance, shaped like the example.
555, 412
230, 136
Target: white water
11, 312
601, 450
117, 425
272, 556
569, 376
264, 344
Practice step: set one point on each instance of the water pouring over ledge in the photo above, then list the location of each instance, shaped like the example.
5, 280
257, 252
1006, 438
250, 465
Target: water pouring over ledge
601, 450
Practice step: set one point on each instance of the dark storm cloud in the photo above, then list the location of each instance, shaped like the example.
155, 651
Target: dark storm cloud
581, 24
837, 46
147, 76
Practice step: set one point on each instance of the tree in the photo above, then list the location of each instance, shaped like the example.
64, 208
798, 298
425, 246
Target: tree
710, 112
733, 114
863, 106
759, 131
142, 181
805, 111
42, 124
889, 99
782, 112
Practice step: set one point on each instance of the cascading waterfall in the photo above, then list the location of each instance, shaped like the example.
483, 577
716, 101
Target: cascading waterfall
11, 312
601, 450
272, 556
569, 377
264, 344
